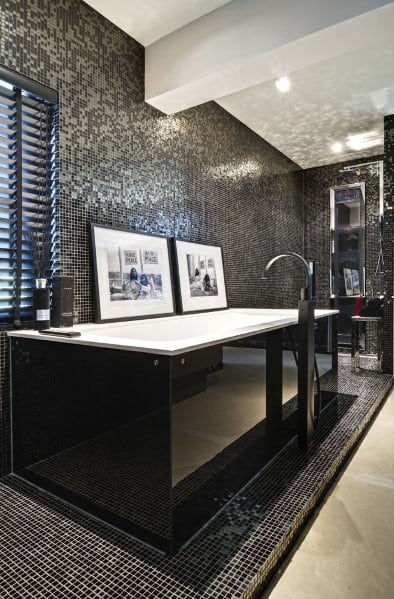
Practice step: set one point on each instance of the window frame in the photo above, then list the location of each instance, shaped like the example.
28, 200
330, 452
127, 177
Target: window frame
27, 91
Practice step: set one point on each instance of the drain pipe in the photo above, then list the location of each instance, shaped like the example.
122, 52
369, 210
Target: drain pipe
306, 353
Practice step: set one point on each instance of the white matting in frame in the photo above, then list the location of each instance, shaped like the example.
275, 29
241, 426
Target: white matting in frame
132, 274
201, 276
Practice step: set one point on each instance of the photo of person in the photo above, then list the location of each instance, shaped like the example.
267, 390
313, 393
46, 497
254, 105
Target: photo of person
134, 274
355, 282
202, 275
347, 273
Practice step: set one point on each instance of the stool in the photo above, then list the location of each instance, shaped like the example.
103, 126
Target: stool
356, 323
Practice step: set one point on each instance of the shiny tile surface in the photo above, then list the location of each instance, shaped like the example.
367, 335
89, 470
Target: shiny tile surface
233, 403
48, 549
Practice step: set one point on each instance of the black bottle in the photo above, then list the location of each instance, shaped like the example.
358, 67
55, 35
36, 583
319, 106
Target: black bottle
41, 305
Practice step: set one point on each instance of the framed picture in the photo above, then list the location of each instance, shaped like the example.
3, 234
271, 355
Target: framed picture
200, 276
132, 275
347, 274
355, 282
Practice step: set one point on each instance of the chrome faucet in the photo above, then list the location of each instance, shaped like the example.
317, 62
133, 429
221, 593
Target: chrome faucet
306, 266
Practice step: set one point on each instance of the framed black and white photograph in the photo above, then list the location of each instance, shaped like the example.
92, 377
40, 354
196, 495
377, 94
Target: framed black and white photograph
200, 276
347, 274
355, 282
132, 275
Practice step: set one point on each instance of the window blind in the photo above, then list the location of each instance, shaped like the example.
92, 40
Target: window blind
28, 198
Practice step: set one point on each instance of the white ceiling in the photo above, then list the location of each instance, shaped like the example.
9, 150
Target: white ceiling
343, 90
327, 103
149, 20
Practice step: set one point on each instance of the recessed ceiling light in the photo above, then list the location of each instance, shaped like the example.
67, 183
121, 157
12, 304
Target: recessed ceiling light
337, 147
283, 84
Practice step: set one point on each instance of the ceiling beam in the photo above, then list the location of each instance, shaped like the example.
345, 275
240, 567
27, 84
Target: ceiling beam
247, 42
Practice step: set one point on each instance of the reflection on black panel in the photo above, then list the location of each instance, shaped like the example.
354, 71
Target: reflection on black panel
154, 445
119, 471
92, 426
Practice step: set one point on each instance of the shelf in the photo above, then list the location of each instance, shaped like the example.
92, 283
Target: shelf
347, 228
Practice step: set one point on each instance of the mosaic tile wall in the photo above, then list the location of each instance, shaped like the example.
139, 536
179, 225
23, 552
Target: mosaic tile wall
200, 174
317, 183
388, 240
4, 407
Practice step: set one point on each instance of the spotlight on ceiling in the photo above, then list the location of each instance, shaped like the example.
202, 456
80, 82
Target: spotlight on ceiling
283, 84
337, 147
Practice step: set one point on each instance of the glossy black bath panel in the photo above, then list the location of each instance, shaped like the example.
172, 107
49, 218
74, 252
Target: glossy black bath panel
104, 428
202, 494
65, 394
93, 426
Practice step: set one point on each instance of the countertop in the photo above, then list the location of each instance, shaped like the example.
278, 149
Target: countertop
173, 335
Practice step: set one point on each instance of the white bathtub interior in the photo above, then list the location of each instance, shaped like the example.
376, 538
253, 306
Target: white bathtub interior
184, 327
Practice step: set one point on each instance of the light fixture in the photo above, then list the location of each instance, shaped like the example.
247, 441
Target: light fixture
363, 141
283, 84
337, 147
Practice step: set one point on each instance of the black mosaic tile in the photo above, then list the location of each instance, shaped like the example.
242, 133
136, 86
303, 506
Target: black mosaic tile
200, 174
4, 406
48, 549
388, 241
317, 183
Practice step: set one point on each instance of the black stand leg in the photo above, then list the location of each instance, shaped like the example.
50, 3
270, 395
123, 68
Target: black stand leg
334, 341
274, 376
306, 355
355, 342
379, 343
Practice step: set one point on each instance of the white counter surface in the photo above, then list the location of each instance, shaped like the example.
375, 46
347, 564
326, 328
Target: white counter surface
174, 335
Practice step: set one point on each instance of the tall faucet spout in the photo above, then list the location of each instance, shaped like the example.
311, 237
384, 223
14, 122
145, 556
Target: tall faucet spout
306, 354
303, 262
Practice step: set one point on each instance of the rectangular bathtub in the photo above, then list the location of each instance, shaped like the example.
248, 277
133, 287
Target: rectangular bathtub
176, 334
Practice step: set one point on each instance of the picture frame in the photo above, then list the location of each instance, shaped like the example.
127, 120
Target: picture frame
132, 274
199, 276
352, 281
355, 281
347, 274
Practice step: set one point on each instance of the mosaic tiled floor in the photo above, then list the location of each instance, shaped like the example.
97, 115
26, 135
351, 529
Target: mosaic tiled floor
48, 549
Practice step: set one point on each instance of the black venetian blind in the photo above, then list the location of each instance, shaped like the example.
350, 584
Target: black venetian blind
28, 191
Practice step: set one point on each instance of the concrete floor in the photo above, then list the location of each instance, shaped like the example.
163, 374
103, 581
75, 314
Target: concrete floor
347, 551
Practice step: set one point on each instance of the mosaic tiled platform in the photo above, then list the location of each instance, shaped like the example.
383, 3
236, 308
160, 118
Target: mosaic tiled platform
48, 549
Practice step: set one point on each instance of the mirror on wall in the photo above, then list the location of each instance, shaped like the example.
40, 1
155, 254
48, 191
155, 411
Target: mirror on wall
347, 209
356, 221
348, 240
